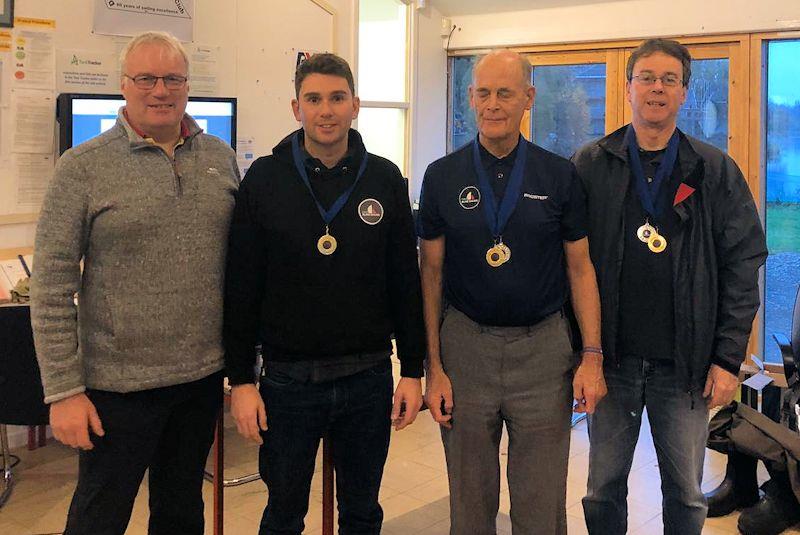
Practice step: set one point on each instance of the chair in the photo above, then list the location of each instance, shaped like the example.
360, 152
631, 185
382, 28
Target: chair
790, 346
21, 395
790, 353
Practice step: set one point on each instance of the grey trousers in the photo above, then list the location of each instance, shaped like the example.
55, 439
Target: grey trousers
520, 376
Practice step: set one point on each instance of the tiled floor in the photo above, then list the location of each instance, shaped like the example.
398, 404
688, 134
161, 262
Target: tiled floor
413, 494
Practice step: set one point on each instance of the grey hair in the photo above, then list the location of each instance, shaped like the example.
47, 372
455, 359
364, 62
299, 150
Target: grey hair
524, 64
164, 39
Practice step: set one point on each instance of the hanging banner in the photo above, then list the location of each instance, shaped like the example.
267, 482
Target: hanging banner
130, 17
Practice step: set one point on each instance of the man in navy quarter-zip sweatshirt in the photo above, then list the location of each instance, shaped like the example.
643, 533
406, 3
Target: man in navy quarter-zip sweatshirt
322, 270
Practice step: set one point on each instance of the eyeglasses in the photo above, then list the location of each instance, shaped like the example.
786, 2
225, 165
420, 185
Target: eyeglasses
148, 81
668, 80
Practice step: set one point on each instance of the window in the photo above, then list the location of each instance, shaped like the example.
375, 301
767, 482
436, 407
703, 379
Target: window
462, 120
782, 193
570, 106
569, 109
704, 115
383, 29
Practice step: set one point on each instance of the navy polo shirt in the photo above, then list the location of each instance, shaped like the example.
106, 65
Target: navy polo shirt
551, 210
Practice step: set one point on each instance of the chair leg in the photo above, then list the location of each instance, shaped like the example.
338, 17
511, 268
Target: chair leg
8, 475
327, 488
219, 476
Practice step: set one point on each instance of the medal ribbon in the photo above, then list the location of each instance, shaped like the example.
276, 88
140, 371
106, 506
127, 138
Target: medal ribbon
498, 218
648, 193
336, 207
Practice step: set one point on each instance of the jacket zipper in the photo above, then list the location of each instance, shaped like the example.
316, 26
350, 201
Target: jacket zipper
176, 175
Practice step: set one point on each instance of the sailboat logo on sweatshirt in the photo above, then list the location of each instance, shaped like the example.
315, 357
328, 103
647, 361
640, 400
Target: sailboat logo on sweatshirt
370, 211
469, 198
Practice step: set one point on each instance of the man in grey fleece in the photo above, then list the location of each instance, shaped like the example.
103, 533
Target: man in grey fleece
133, 375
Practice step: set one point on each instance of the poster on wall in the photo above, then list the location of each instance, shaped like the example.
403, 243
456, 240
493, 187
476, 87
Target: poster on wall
86, 71
34, 124
33, 172
34, 59
203, 70
129, 17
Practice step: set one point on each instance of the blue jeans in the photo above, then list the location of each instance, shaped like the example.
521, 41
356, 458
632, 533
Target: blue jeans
354, 413
679, 424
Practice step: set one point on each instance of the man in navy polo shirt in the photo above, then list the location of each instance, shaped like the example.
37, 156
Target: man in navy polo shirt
502, 223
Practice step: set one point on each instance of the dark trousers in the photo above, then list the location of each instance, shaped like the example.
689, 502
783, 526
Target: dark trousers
354, 412
168, 430
679, 425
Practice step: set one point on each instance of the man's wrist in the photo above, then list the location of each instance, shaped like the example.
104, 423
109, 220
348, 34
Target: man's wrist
433, 367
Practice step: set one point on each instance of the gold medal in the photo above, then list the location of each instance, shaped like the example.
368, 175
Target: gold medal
495, 256
506, 251
645, 232
657, 243
326, 244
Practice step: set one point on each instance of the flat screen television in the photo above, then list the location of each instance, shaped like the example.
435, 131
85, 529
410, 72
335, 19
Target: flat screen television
83, 116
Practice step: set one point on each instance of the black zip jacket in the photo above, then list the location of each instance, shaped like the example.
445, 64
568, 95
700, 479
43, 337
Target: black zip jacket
282, 292
716, 253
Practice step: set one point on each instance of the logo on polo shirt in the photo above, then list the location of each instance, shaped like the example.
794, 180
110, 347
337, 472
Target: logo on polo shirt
469, 198
370, 211
535, 197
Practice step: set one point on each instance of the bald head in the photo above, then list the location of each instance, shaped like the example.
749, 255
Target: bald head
500, 93
506, 58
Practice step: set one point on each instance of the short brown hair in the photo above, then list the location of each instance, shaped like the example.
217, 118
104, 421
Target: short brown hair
324, 63
665, 46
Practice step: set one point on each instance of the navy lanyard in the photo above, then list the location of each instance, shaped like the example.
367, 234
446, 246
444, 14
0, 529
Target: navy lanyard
336, 207
498, 218
648, 193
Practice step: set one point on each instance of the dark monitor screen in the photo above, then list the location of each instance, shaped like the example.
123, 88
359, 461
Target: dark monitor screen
83, 116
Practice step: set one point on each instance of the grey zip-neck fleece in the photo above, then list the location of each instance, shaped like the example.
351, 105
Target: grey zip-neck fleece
152, 234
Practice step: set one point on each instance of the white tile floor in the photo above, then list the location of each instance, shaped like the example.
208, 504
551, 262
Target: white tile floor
413, 494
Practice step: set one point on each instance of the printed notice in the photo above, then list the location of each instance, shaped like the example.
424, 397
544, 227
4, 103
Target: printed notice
83, 71
129, 17
245, 153
33, 173
203, 70
34, 124
33, 56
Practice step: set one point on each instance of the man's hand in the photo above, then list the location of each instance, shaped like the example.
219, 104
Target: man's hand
407, 402
71, 419
720, 387
589, 385
439, 393
249, 411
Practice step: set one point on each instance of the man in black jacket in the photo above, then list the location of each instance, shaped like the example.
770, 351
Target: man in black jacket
677, 245
322, 269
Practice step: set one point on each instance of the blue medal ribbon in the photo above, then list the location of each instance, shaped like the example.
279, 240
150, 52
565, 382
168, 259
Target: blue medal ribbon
497, 218
329, 214
648, 192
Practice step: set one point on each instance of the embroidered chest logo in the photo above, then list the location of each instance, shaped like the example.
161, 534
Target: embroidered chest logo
469, 198
535, 197
370, 211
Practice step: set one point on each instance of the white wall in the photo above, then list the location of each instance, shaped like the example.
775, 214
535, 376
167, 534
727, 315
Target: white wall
623, 19
258, 40
428, 98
